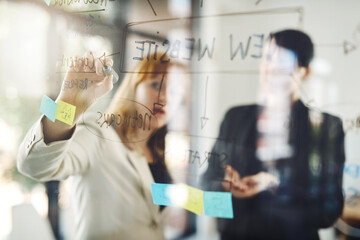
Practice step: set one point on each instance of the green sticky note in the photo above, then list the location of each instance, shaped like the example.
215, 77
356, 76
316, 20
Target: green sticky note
218, 204
48, 2
65, 112
194, 201
48, 107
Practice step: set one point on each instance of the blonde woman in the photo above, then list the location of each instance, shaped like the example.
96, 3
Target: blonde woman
111, 180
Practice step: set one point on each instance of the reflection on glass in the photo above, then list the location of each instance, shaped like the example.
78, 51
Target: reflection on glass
285, 171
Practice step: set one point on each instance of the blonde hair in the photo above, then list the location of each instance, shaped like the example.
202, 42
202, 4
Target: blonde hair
146, 69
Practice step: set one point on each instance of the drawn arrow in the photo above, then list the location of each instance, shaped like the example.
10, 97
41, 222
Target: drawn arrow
152, 7
348, 47
204, 118
158, 102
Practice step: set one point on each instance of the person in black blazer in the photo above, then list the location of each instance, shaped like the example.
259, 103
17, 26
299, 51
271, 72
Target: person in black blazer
293, 194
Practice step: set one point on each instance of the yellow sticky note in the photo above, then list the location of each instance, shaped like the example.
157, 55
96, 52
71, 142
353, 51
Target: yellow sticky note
65, 112
195, 200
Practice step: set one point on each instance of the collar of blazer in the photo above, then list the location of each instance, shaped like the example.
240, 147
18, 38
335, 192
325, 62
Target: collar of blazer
142, 168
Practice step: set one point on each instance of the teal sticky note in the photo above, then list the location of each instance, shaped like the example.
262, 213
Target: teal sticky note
160, 194
48, 2
218, 204
48, 107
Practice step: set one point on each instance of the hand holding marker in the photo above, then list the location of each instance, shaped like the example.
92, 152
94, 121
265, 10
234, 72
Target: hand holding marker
108, 70
86, 80
67, 112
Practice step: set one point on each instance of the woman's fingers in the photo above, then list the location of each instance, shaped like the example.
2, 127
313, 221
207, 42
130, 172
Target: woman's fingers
89, 64
108, 62
85, 82
89, 59
99, 67
78, 64
71, 67
81, 64
101, 63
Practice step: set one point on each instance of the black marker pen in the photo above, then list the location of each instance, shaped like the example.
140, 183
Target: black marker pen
108, 70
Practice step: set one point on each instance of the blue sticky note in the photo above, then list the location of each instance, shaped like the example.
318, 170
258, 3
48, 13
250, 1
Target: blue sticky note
48, 107
218, 204
353, 170
48, 2
160, 194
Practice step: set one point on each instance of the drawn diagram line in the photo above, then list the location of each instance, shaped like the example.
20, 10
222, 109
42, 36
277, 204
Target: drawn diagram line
112, 54
158, 101
206, 84
346, 45
204, 119
268, 11
161, 82
98, 10
152, 7
329, 45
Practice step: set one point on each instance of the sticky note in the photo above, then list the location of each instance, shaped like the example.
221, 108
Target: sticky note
218, 204
160, 194
180, 195
48, 2
353, 170
48, 107
195, 200
65, 112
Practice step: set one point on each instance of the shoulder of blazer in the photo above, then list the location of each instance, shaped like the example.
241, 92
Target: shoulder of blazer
239, 112
326, 116
332, 123
331, 118
334, 127
237, 116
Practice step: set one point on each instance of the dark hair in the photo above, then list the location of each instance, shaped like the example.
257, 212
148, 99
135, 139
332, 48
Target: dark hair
299, 42
156, 143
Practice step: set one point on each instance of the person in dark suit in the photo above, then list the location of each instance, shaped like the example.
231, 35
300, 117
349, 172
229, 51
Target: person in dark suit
286, 183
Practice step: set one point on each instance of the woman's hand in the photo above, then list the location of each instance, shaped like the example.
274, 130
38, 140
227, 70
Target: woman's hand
248, 186
85, 82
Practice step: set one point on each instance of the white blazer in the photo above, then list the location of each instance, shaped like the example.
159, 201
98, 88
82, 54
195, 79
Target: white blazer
111, 185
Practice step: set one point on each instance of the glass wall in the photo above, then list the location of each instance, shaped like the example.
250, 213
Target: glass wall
229, 119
